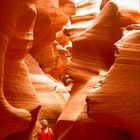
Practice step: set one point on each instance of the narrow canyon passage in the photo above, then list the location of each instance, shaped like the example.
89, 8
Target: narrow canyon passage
70, 69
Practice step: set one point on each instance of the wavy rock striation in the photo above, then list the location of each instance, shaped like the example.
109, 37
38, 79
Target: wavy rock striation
15, 37
116, 103
93, 51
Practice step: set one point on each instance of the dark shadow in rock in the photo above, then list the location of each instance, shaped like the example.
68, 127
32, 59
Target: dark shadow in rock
26, 134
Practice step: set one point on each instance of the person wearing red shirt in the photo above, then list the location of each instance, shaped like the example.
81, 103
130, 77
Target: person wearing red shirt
45, 133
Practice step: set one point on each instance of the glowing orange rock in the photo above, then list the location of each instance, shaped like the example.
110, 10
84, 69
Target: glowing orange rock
86, 11
16, 77
93, 51
10, 38
50, 19
117, 102
128, 12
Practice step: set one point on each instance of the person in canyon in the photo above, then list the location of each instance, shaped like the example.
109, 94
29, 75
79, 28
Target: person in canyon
45, 133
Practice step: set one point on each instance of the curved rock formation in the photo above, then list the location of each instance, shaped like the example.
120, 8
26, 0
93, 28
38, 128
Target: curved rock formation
128, 12
11, 34
50, 19
25, 88
86, 11
127, 4
116, 103
18, 88
27, 133
74, 115
93, 51
52, 95
133, 27
68, 7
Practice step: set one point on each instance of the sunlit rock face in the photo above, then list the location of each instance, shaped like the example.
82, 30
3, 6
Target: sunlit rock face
16, 24
38, 78
117, 102
50, 19
125, 4
74, 116
86, 11
128, 11
113, 104
68, 7
93, 51
52, 95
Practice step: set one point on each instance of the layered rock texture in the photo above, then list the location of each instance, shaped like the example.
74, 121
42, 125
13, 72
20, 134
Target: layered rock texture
20, 101
52, 94
93, 50
86, 11
16, 38
73, 62
116, 103
93, 53
50, 19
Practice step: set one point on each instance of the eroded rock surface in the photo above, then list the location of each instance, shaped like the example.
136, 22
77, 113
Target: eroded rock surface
39, 65
16, 38
50, 19
93, 46
116, 103
93, 51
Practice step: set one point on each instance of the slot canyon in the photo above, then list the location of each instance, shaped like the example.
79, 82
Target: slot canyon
74, 63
